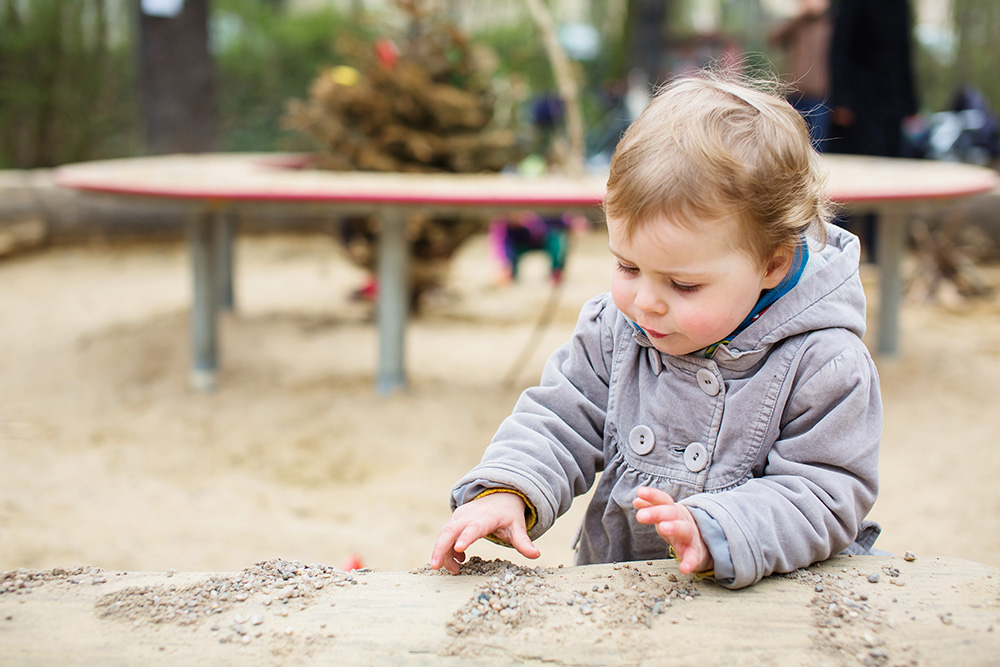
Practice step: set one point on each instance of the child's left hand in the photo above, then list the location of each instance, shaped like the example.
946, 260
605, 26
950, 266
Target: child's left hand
676, 525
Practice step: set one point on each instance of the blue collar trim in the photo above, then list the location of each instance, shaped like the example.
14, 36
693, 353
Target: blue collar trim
769, 296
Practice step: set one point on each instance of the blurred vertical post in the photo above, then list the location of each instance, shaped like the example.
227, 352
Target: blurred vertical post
177, 86
645, 41
569, 89
176, 76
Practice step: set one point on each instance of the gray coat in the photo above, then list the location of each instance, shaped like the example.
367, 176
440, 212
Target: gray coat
772, 443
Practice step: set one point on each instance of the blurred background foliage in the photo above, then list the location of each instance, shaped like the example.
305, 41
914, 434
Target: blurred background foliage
266, 55
67, 84
69, 88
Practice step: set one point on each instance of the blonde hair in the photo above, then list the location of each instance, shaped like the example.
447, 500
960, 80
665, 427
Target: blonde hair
710, 146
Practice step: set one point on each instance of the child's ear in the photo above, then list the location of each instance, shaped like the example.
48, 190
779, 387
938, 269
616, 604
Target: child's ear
777, 267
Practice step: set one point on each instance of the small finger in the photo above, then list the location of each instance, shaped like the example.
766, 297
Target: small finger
471, 533
678, 533
454, 562
654, 496
657, 514
463, 541
523, 544
689, 562
451, 565
444, 546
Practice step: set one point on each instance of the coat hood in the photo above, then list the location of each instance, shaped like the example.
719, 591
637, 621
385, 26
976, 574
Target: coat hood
829, 295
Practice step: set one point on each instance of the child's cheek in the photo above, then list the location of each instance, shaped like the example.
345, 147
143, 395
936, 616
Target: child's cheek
622, 295
704, 325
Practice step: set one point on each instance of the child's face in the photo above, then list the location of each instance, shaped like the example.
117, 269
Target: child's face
687, 286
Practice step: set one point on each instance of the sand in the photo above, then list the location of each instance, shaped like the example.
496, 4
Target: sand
110, 460
864, 610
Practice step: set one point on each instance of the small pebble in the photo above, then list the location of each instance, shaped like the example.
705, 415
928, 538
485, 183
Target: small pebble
909, 557
873, 578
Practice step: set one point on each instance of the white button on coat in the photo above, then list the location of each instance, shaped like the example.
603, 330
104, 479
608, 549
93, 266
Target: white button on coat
708, 382
696, 457
641, 440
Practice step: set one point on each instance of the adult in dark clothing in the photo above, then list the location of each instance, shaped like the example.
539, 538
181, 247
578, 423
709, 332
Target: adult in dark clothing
872, 88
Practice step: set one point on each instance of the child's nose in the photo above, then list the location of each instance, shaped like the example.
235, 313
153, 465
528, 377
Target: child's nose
647, 299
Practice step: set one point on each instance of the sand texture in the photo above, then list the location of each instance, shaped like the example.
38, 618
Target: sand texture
847, 611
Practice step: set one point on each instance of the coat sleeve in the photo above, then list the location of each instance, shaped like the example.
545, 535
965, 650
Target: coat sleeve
820, 476
550, 448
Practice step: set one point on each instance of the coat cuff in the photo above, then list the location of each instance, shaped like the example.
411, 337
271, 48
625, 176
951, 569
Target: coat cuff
715, 539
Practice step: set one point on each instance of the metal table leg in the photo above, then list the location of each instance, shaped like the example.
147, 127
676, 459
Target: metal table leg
392, 306
225, 230
890, 245
203, 246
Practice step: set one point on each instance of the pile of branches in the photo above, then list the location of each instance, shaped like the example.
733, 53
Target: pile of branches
422, 102
947, 257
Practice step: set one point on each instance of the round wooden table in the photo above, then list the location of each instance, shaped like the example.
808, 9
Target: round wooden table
213, 188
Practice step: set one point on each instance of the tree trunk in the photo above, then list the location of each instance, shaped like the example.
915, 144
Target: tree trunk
177, 80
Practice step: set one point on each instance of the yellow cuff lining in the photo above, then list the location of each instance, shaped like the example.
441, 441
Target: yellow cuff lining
530, 513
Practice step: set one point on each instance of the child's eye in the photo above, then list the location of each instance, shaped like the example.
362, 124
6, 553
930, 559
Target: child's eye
630, 270
681, 287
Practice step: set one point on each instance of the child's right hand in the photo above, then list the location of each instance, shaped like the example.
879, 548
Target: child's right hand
499, 514
676, 525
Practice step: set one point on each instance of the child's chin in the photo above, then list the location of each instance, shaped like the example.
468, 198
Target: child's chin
674, 347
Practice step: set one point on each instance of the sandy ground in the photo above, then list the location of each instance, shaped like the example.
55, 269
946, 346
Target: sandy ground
108, 458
